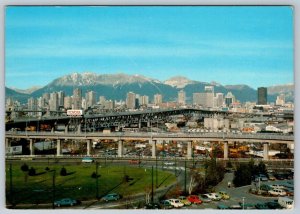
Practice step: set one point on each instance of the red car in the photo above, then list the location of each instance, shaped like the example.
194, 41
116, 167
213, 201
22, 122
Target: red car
194, 199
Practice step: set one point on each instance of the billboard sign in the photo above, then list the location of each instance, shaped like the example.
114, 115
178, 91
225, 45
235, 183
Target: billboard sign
74, 113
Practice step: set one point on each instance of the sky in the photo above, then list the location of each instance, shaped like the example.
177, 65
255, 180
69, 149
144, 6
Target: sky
250, 45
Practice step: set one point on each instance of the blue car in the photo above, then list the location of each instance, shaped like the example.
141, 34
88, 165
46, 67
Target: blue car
111, 197
65, 202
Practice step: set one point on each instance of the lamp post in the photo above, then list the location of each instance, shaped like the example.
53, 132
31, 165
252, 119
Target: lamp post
243, 203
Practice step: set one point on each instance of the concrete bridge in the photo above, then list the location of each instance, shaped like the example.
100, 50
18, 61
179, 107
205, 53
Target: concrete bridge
224, 138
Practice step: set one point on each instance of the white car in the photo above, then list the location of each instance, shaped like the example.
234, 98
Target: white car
87, 160
277, 192
176, 203
169, 163
277, 186
213, 196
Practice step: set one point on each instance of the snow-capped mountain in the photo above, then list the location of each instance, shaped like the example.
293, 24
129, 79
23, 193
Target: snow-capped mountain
179, 82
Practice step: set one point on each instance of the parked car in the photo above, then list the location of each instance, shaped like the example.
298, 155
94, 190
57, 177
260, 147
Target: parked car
154, 206
222, 207
134, 162
204, 198
65, 202
184, 200
289, 191
277, 186
176, 203
224, 195
261, 206
286, 202
235, 207
273, 205
165, 204
87, 160
111, 197
247, 206
271, 177
277, 192
214, 196
194, 199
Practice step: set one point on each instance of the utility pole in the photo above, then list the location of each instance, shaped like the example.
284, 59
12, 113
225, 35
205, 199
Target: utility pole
11, 185
53, 189
156, 180
185, 176
97, 189
152, 199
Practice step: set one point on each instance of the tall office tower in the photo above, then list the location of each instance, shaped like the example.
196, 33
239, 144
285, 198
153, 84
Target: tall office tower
77, 98
53, 102
229, 99
262, 96
61, 97
219, 99
9, 104
158, 99
280, 100
181, 97
144, 100
209, 89
102, 100
130, 100
109, 104
41, 103
46, 96
68, 102
198, 98
90, 98
32, 106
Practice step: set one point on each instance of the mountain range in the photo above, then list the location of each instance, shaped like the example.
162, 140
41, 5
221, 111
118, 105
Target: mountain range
116, 86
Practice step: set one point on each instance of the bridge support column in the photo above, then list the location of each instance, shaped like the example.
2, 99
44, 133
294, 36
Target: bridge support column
266, 151
140, 124
79, 128
153, 142
88, 147
7, 143
66, 128
31, 147
189, 150
58, 149
120, 148
225, 150
148, 123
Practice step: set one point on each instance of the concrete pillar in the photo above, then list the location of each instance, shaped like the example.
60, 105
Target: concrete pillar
7, 143
225, 150
266, 151
79, 128
153, 142
66, 128
120, 148
58, 147
88, 147
148, 123
31, 147
140, 123
189, 149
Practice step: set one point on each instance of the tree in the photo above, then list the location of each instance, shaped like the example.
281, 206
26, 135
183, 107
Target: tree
25, 167
63, 171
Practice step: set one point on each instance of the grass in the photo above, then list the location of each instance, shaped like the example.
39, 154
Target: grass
78, 184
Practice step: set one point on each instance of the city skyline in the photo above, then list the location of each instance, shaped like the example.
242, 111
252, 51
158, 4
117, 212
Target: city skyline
200, 44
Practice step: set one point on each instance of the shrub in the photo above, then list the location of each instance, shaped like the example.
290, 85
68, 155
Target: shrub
63, 171
31, 171
47, 168
25, 167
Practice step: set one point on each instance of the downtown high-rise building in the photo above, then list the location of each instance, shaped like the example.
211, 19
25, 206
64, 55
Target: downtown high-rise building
181, 97
131, 100
229, 99
61, 98
280, 100
68, 102
158, 99
144, 100
262, 96
102, 100
32, 106
77, 99
205, 99
53, 102
90, 98
219, 100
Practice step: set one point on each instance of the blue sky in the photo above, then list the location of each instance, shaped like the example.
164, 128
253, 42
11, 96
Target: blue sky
229, 45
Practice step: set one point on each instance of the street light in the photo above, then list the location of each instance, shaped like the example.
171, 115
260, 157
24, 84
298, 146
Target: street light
243, 203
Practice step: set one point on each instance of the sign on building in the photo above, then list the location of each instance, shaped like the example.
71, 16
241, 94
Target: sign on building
74, 113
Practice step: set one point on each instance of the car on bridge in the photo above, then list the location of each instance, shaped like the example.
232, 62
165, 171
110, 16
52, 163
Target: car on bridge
194, 199
87, 160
